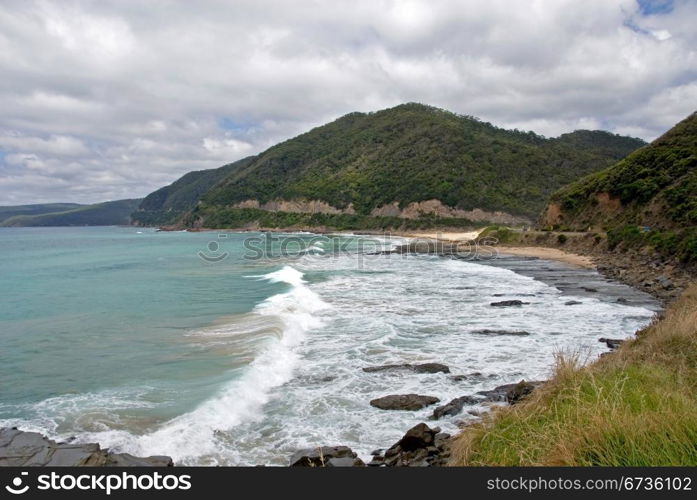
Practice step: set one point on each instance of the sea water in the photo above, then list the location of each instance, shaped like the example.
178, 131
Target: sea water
241, 348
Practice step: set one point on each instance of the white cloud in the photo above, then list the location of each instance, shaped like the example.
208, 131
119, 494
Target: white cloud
111, 99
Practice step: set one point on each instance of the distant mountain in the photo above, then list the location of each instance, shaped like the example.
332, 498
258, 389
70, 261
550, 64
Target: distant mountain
410, 162
647, 199
165, 205
110, 213
44, 208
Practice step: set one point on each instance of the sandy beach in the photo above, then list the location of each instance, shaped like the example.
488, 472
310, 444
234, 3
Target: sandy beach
550, 253
540, 252
447, 235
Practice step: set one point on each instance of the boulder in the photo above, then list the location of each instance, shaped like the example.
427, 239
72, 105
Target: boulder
408, 402
572, 303
419, 436
421, 446
326, 456
454, 407
508, 303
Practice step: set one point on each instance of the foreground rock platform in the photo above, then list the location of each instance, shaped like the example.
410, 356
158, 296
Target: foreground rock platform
31, 449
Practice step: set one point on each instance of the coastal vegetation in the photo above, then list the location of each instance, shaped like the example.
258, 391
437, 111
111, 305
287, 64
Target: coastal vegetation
647, 200
168, 203
633, 407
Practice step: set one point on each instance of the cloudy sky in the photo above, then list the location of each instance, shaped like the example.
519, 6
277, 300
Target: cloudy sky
108, 99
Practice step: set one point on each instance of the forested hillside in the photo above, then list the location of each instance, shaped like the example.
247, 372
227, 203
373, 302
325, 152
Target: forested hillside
647, 199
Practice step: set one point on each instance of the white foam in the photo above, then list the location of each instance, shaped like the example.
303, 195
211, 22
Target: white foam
193, 437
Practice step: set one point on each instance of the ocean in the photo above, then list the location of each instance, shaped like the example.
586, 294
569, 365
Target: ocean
241, 348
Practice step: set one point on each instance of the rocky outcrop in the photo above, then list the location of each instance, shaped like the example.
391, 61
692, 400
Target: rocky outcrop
611, 343
510, 393
408, 402
508, 303
422, 368
421, 446
25, 449
326, 456
521, 390
454, 407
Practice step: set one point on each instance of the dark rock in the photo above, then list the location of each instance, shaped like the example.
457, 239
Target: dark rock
23, 449
501, 332
344, 462
622, 300
419, 436
519, 392
572, 303
421, 446
611, 343
501, 393
497, 394
431, 368
422, 368
508, 303
589, 289
339, 456
454, 407
409, 402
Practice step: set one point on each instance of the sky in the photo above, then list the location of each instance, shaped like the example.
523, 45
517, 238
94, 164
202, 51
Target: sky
105, 100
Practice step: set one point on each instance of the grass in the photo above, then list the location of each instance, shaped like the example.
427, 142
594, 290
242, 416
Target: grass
634, 407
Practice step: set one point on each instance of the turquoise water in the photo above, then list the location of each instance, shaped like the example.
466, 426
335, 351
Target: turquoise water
128, 337
86, 309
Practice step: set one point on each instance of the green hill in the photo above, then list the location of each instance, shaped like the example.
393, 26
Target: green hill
648, 199
410, 161
44, 208
165, 205
110, 213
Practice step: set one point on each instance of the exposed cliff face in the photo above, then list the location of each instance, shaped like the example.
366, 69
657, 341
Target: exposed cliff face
416, 210
436, 208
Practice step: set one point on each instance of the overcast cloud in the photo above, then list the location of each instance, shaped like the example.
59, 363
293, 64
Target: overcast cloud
108, 99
